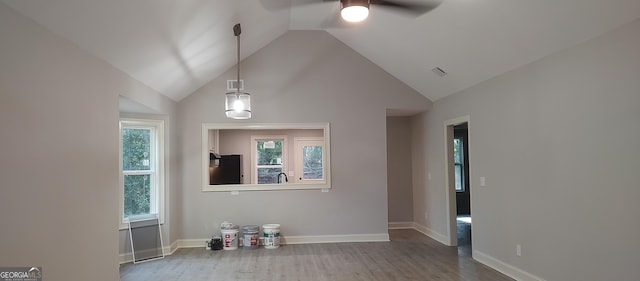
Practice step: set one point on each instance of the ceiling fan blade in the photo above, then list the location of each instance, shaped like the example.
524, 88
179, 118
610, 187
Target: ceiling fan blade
410, 7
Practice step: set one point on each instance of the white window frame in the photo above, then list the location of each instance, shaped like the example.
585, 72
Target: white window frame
298, 144
460, 164
234, 188
157, 172
254, 155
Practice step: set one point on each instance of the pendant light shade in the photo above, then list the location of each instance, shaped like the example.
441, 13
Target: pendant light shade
237, 104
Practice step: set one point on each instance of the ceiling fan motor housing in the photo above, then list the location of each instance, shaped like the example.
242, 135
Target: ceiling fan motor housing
349, 3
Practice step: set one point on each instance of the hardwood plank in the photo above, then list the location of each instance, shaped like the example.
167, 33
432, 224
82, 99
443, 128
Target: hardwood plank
409, 256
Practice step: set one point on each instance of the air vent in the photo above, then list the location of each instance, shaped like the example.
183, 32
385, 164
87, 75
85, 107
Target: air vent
232, 85
439, 71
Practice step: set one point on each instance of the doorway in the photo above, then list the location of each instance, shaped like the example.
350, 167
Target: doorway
462, 187
458, 184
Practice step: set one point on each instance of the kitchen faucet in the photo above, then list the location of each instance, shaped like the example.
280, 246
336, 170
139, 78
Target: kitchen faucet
285, 177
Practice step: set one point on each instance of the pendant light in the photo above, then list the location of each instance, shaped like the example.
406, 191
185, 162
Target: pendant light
238, 104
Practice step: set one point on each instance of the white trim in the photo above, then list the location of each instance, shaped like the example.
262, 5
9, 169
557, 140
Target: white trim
401, 225
372, 237
254, 155
261, 126
450, 192
192, 243
504, 268
422, 229
431, 234
292, 240
160, 171
298, 144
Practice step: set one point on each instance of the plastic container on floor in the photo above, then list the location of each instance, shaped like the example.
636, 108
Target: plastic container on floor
271, 234
251, 236
229, 236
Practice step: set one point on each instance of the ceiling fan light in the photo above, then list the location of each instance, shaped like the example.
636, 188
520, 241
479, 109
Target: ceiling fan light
238, 105
354, 13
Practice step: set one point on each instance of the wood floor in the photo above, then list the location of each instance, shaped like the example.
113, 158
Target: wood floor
409, 256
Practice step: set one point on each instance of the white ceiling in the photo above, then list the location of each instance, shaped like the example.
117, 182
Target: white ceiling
175, 47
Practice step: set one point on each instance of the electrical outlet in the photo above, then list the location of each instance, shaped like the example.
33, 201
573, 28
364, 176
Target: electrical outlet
518, 250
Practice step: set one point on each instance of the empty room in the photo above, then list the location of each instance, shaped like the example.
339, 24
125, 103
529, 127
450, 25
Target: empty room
296, 140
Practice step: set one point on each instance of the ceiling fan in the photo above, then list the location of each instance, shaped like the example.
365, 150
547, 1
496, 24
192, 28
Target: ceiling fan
358, 10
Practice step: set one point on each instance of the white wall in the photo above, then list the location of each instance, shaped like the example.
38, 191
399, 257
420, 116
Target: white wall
303, 76
557, 142
399, 169
59, 153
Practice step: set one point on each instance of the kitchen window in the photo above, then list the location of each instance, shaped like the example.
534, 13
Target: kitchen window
268, 156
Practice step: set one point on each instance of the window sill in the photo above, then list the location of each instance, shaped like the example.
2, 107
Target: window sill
265, 187
125, 225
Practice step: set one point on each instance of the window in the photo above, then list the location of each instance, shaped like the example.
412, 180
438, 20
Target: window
458, 158
141, 169
238, 139
267, 156
309, 159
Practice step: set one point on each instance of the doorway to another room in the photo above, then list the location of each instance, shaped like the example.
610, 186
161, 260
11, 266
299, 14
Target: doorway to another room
462, 188
459, 193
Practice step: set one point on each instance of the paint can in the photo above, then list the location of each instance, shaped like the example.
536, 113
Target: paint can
251, 236
229, 236
271, 234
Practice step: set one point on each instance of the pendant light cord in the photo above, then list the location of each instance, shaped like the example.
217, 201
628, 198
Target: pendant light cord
237, 31
238, 67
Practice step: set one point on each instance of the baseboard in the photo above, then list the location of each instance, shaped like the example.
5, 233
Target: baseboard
192, 243
375, 237
401, 225
168, 250
432, 234
504, 268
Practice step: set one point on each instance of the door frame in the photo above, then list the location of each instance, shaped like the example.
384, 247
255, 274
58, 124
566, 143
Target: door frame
452, 233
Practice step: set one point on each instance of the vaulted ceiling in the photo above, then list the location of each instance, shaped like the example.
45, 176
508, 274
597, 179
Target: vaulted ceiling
175, 47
